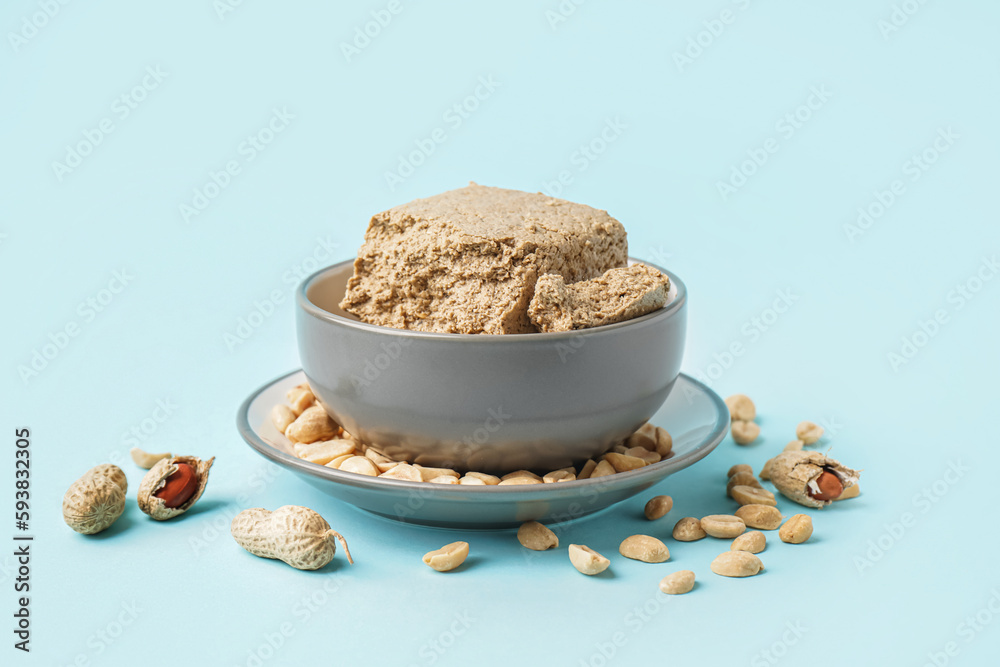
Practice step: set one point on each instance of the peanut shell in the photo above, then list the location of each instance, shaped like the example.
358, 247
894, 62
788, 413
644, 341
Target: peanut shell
792, 473
156, 478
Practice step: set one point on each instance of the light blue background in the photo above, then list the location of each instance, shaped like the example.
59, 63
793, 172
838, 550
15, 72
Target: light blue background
826, 358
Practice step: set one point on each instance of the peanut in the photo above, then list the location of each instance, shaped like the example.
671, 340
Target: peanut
559, 476
642, 453
797, 529
489, 480
295, 535
377, 457
335, 463
739, 467
586, 560
445, 479
678, 583
603, 469
794, 446
765, 472
645, 548
588, 469
664, 442
644, 437
741, 408
723, 525
623, 462
173, 486
281, 417
447, 557
752, 542
178, 487
386, 466
830, 487
764, 517
741, 479
537, 537
651, 438
471, 481
300, 398
658, 507
405, 472
808, 432
323, 451
516, 481
360, 465
688, 529
96, 500
797, 474
145, 459
312, 425
428, 474
520, 473
751, 495
853, 491
744, 432
737, 564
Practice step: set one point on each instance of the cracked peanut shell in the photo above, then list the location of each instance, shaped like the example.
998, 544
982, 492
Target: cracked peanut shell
157, 477
793, 473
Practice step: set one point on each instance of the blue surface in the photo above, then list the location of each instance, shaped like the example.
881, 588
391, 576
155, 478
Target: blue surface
674, 130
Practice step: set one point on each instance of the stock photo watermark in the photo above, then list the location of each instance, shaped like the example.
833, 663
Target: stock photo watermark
913, 169
139, 433
107, 634
32, 24
436, 647
786, 127
263, 309
121, 108
899, 17
922, 502
967, 630
751, 331
957, 298
562, 12
87, 311
223, 8
247, 151
366, 33
374, 367
635, 621
304, 610
218, 525
453, 117
712, 29
585, 155
780, 647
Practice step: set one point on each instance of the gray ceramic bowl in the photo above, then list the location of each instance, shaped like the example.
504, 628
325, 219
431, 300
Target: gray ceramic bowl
481, 402
693, 414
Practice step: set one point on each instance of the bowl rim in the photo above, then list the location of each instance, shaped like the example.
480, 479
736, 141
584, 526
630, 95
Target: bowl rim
268, 451
304, 304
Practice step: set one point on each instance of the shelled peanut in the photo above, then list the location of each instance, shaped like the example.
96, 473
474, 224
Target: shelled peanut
742, 413
316, 437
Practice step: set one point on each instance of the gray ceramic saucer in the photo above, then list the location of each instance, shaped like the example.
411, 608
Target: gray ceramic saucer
693, 414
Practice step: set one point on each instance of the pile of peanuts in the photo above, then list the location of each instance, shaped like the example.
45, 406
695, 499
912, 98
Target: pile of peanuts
317, 438
304, 540
757, 510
